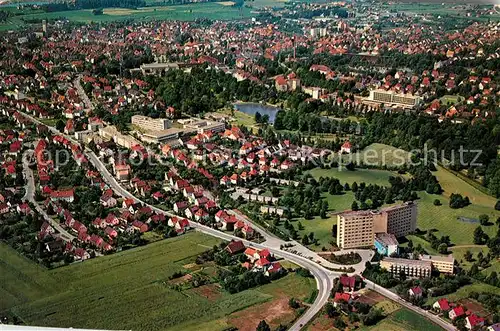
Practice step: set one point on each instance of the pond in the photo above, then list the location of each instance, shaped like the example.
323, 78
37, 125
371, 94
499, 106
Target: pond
252, 108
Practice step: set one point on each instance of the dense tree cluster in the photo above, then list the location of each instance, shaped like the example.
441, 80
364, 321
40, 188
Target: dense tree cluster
204, 90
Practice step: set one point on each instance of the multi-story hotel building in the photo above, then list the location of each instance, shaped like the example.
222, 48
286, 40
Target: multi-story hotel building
390, 97
355, 229
151, 124
398, 220
411, 268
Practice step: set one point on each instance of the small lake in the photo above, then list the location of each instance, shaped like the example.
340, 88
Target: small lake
253, 108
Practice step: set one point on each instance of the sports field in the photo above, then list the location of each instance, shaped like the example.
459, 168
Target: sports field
128, 290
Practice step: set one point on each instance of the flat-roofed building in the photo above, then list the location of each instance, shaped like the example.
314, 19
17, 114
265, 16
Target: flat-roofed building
393, 98
411, 268
399, 220
110, 132
202, 126
386, 243
161, 136
355, 229
151, 124
443, 264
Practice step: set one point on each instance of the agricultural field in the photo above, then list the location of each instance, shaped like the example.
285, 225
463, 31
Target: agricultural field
131, 282
21, 280
187, 12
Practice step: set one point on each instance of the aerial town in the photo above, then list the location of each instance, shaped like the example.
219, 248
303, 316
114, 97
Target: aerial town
249, 165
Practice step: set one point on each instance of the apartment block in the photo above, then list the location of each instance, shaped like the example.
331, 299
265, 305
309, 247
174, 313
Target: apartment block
411, 268
443, 264
151, 124
399, 220
355, 229
390, 97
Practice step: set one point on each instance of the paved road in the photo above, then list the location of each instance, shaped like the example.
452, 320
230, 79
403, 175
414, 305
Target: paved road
82, 94
30, 196
322, 275
385, 292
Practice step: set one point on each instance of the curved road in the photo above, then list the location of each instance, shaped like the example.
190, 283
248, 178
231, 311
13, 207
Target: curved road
324, 278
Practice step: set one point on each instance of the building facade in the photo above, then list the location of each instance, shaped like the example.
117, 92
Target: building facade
390, 98
355, 229
411, 268
443, 264
399, 220
151, 124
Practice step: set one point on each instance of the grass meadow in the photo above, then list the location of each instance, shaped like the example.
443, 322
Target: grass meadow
127, 290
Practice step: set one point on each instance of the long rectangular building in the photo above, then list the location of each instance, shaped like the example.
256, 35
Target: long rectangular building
151, 124
411, 268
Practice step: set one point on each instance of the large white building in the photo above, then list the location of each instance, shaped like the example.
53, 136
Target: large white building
357, 229
392, 98
151, 124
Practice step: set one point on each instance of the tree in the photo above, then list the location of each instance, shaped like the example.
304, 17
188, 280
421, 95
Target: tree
479, 236
330, 310
293, 303
354, 205
437, 202
60, 125
305, 240
258, 117
497, 205
468, 256
443, 248
263, 326
484, 219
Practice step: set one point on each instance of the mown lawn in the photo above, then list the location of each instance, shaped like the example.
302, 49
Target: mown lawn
458, 253
373, 176
444, 219
378, 155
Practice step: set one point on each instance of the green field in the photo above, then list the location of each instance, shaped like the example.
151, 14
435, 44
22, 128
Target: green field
21, 280
458, 253
444, 219
464, 292
126, 290
189, 12
378, 155
369, 176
